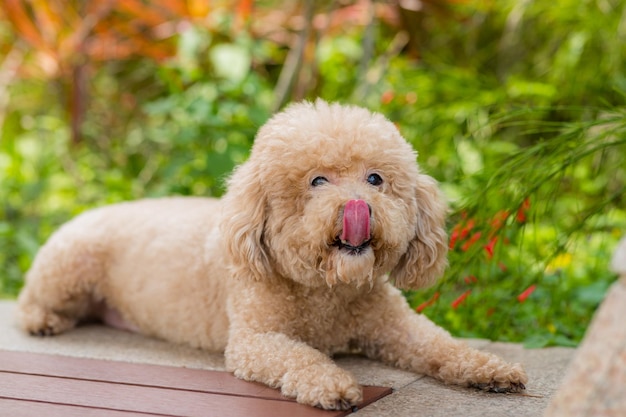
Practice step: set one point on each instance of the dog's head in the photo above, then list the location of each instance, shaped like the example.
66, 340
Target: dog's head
332, 194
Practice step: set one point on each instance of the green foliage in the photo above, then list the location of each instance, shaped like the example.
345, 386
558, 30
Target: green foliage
507, 109
32, 149
516, 107
177, 128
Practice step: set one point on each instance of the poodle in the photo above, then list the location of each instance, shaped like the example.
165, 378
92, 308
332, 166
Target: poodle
301, 259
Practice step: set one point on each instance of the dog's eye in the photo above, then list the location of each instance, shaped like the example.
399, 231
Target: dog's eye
375, 179
317, 181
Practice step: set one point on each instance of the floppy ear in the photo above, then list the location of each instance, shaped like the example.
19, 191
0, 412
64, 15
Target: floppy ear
425, 259
243, 225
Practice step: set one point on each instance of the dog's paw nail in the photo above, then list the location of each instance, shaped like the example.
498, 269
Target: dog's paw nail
340, 404
492, 387
518, 387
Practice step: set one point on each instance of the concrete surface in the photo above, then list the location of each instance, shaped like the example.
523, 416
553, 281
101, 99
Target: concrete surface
414, 395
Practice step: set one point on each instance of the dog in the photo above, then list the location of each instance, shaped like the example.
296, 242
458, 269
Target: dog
302, 258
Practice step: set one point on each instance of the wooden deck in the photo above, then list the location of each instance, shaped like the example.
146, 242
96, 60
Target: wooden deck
33, 384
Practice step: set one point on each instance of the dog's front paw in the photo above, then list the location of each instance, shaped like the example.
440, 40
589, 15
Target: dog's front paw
324, 386
38, 321
498, 376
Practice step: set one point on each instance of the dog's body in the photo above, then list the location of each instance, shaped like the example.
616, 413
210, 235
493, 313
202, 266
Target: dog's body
148, 260
288, 268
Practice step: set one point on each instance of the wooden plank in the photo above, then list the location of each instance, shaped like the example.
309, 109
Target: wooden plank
131, 373
91, 384
140, 399
21, 408
372, 394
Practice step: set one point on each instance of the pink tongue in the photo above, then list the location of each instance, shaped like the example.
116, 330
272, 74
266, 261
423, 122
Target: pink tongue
356, 223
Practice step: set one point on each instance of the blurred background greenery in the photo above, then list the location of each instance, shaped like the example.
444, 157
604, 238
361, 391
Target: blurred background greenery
517, 107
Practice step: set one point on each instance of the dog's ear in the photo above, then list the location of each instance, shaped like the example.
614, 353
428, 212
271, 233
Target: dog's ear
425, 259
243, 225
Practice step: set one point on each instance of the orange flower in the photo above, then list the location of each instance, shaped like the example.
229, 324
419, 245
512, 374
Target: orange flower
470, 279
460, 299
386, 97
498, 220
428, 303
524, 295
411, 97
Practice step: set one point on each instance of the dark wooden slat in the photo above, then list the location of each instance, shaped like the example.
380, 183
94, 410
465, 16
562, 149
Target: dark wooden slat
141, 399
21, 408
77, 383
372, 394
130, 373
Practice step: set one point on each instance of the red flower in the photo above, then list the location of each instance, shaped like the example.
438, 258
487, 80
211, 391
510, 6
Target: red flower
387, 97
470, 242
468, 227
489, 247
499, 219
470, 279
428, 303
523, 210
523, 296
460, 299
454, 236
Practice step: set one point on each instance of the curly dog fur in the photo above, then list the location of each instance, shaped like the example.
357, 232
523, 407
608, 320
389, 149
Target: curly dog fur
294, 264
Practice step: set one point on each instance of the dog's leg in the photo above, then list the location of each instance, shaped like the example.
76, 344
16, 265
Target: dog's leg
402, 338
301, 371
59, 287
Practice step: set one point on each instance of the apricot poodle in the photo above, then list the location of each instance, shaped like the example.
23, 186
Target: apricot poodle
294, 264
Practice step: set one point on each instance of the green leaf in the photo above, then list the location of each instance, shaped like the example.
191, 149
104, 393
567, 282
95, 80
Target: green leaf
537, 341
592, 294
231, 61
471, 159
